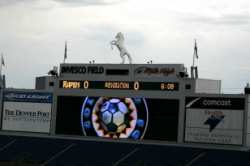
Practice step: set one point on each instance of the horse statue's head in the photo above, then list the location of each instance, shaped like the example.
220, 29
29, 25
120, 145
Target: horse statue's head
119, 36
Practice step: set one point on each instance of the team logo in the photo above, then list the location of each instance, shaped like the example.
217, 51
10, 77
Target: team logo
154, 71
214, 119
114, 117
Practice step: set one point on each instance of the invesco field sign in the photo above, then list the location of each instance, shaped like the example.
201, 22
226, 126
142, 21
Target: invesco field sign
27, 111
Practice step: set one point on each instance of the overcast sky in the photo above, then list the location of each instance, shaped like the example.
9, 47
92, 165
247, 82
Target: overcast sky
33, 32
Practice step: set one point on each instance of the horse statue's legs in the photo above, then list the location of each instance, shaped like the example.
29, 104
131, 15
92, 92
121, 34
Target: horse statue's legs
123, 58
129, 58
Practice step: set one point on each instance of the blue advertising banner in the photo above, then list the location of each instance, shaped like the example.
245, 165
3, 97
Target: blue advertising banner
35, 97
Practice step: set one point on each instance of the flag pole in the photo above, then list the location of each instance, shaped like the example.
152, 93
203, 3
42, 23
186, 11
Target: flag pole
193, 59
65, 52
195, 51
1, 64
193, 67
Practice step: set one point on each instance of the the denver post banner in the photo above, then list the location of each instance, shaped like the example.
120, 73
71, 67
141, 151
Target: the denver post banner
27, 111
216, 120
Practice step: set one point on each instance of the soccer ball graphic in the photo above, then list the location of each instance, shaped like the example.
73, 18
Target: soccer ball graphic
113, 117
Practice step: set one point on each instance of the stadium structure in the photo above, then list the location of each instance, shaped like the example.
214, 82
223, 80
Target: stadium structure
124, 114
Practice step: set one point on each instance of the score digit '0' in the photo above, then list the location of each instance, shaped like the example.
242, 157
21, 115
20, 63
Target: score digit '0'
86, 84
136, 85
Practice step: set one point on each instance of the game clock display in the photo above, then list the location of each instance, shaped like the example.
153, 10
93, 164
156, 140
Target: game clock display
118, 118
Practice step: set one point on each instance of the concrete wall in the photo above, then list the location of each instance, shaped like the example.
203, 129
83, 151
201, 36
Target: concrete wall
207, 86
46, 83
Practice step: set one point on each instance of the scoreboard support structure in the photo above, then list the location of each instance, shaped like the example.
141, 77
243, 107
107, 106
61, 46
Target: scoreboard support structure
146, 102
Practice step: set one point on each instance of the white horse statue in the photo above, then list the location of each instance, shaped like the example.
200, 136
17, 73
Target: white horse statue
119, 43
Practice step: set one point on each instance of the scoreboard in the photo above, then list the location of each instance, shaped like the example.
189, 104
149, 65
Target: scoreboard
119, 85
151, 115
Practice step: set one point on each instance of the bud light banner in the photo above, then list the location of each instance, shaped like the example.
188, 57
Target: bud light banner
216, 120
118, 117
27, 111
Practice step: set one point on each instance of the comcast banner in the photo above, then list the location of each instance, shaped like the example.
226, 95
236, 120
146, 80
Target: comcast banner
217, 120
27, 111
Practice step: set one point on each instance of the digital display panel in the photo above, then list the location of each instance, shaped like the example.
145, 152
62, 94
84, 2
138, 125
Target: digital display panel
121, 72
115, 117
121, 85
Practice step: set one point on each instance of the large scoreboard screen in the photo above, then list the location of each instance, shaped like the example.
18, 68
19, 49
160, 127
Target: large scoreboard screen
116, 117
120, 85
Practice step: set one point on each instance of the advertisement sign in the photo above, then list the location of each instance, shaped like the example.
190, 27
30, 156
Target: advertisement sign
81, 69
118, 117
214, 120
155, 71
27, 111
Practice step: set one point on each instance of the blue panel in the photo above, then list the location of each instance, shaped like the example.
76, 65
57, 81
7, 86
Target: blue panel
36, 97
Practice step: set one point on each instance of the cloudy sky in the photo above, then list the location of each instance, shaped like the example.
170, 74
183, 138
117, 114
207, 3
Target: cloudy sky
33, 32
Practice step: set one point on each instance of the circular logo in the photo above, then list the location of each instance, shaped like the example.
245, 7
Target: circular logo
114, 117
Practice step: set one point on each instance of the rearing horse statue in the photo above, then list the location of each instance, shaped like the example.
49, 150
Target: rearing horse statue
119, 43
